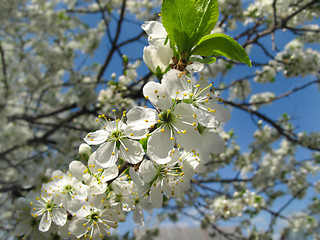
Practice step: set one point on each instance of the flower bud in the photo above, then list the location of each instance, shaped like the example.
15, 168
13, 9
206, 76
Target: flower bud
85, 151
113, 76
157, 57
125, 60
122, 217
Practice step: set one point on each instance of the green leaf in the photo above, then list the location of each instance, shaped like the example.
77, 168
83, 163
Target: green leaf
207, 60
219, 44
180, 19
143, 142
201, 128
187, 21
208, 13
84, 157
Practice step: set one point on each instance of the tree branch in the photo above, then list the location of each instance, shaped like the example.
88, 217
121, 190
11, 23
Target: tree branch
114, 43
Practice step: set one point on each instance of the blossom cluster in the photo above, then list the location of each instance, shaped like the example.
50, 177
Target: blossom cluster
225, 208
294, 60
264, 9
261, 98
147, 153
298, 61
141, 8
240, 90
113, 96
303, 224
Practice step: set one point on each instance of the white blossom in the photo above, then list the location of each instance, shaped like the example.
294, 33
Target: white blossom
93, 219
260, 99
169, 178
50, 208
95, 176
116, 141
66, 186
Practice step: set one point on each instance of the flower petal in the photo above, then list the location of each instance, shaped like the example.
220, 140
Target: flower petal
147, 171
195, 67
110, 173
190, 139
97, 137
211, 143
145, 203
157, 95
159, 145
107, 154
78, 170
45, 222
59, 216
156, 195
58, 174
97, 189
138, 216
135, 177
93, 165
175, 83
78, 227
158, 55
131, 151
206, 118
221, 114
155, 30
139, 119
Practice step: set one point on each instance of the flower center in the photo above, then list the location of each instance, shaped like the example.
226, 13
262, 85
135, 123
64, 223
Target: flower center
68, 188
49, 205
161, 172
116, 135
167, 116
201, 128
94, 216
118, 198
188, 100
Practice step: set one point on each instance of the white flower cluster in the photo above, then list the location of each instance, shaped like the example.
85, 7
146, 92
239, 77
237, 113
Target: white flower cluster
264, 9
266, 75
317, 186
296, 60
301, 224
148, 153
231, 8
142, 9
113, 95
311, 35
265, 135
311, 139
212, 70
240, 90
274, 165
261, 8
261, 98
225, 208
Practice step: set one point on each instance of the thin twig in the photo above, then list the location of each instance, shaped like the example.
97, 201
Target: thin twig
114, 43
